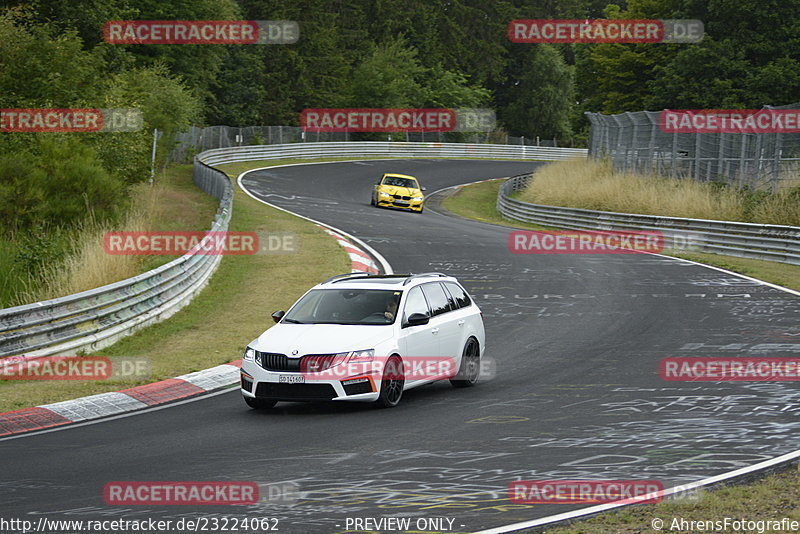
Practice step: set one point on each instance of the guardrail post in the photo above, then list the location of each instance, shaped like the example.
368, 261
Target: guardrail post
618, 145
697, 147
674, 155
721, 154
776, 163
757, 162
651, 147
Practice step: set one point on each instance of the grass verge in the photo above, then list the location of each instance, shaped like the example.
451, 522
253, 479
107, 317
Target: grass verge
592, 184
477, 202
230, 312
771, 499
81, 263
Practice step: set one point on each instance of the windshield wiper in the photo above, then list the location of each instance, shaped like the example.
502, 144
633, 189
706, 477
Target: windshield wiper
292, 321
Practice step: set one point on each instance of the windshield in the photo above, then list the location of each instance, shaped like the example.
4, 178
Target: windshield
400, 182
345, 306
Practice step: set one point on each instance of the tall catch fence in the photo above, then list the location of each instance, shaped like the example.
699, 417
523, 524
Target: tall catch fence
634, 142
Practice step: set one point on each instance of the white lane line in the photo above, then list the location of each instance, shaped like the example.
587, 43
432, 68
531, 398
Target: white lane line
592, 510
385, 266
120, 416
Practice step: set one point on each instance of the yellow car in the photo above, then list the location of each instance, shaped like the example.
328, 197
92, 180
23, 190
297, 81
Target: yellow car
398, 191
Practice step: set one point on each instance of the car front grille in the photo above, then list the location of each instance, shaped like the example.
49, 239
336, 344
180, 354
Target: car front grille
272, 390
311, 363
315, 363
272, 361
401, 197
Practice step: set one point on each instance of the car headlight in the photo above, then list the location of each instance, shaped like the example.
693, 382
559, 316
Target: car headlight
354, 356
249, 355
384, 194
362, 355
339, 358
417, 198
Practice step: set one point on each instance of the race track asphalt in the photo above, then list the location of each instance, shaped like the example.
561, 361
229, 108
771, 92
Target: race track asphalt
576, 341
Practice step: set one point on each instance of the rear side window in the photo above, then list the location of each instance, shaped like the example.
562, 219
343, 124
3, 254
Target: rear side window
460, 296
437, 298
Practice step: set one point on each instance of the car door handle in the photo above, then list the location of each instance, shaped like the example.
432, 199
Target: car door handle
435, 331
461, 322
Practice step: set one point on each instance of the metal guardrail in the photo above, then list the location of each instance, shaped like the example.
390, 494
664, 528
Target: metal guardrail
745, 240
200, 139
373, 149
93, 319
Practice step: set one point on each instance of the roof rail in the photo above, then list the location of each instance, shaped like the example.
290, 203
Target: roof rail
356, 274
420, 275
362, 274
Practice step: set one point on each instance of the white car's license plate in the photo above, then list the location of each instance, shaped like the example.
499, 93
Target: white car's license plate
291, 379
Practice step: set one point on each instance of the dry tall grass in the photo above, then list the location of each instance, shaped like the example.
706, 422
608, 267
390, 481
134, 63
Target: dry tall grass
591, 184
781, 208
89, 266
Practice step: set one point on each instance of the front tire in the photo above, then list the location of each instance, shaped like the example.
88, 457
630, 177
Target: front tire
392, 383
470, 368
260, 404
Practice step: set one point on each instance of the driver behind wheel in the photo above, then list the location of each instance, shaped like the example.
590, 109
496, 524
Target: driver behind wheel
391, 307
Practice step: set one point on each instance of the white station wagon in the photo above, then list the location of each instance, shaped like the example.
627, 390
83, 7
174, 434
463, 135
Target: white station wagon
368, 338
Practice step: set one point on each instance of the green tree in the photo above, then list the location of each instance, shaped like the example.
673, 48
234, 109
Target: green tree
166, 104
749, 57
448, 89
540, 100
388, 77
239, 91
40, 67
315, 71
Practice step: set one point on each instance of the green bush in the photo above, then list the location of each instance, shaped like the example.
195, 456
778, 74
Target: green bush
22, 195
40, 249
77, 185
61, 183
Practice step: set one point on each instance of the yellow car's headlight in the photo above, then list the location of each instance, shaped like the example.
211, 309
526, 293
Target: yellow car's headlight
383, 194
